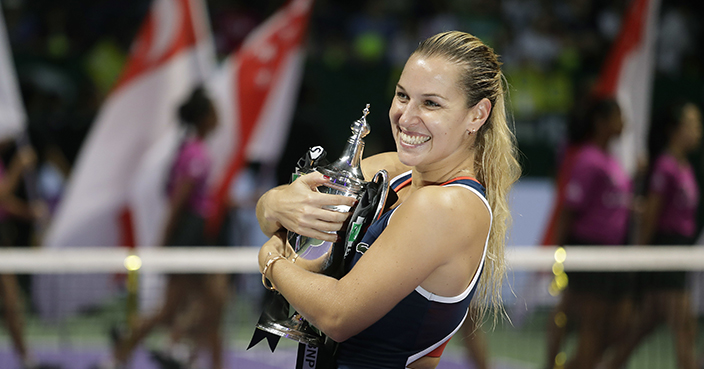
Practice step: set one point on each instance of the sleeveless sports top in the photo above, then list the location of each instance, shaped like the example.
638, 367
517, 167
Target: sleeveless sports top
419, 323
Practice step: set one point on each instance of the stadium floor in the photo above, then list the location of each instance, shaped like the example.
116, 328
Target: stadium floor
82, 341
515, 349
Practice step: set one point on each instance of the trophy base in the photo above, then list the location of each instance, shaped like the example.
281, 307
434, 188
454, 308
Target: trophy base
295, 329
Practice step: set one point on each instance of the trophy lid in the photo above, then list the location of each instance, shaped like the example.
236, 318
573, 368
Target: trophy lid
348, 165
360, 128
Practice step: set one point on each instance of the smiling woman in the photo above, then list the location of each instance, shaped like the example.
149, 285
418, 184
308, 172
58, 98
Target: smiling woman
429, 114
441, 243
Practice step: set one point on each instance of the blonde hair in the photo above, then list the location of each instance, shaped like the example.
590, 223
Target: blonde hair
496, 162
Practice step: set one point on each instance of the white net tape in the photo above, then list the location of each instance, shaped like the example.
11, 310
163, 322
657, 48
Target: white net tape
244, 259
77, 294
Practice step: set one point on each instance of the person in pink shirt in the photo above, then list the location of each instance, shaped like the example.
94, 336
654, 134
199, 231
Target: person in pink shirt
200, 297
669, 218
596, 211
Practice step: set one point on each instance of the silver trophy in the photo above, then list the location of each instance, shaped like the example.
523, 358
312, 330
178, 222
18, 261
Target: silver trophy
326, 257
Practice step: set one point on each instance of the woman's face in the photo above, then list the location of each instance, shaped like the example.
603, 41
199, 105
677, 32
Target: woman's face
429, 115
689, 131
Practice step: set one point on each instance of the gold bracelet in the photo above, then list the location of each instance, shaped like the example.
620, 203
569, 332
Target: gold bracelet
268, 264
293, 260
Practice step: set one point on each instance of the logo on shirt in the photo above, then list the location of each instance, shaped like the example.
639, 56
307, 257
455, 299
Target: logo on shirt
362, 247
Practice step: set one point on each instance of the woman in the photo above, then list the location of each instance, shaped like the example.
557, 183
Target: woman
596, 211
23, 161
408, 292
669, 218
185, 226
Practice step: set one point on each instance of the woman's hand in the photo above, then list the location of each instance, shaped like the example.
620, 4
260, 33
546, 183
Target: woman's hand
300, 208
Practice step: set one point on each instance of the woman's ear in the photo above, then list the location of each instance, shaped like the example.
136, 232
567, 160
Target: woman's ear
479, 114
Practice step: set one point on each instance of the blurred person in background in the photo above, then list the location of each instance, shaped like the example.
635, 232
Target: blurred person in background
596, 211
669, 218
194, 303
12, 206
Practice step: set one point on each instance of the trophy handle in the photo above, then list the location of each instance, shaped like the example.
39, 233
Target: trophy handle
384, 176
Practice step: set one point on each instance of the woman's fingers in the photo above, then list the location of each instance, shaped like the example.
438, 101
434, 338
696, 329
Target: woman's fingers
301, 208
323, 236
315, 179
336, 200
322, 219
319, 223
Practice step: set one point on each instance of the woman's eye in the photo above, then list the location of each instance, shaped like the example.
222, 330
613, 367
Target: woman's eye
432, 104
401, 95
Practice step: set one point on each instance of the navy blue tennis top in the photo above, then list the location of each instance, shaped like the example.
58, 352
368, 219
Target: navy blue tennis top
419, 323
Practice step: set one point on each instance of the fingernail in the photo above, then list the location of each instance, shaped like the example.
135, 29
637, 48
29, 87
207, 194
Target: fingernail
326, 177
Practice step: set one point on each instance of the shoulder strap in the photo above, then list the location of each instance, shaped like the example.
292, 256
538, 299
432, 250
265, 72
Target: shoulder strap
400, 181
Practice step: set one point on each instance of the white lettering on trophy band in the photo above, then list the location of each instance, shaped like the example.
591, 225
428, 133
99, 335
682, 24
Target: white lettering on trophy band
311, 356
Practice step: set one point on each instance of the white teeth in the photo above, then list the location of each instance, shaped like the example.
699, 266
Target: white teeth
412, 140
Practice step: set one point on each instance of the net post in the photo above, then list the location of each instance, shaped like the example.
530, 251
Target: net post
132, 263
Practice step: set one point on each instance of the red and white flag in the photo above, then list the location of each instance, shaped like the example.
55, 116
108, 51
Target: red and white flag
627, 76
172, 53
12, 114
255, 92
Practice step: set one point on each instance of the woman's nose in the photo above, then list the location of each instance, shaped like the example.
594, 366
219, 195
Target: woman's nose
409, 112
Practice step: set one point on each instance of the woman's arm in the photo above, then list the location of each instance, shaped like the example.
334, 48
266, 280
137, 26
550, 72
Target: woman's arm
177, 206
299, 207
24, 159
435, 239
648, 223
265, 210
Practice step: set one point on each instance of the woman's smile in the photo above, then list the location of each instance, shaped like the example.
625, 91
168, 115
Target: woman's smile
412, 139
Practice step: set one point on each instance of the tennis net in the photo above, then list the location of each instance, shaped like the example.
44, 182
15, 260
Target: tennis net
72, 299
